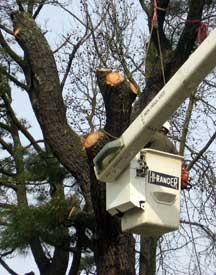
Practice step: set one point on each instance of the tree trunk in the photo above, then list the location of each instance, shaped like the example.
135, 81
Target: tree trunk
148, 248
114, 251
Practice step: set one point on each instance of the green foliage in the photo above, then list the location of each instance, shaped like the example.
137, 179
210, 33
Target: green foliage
36, 168
25, 223
20, 228
40, 167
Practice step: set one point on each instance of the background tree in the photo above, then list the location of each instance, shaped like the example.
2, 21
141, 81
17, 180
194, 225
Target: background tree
104, 38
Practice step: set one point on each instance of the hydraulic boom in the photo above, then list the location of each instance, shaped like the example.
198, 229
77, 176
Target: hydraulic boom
115, 156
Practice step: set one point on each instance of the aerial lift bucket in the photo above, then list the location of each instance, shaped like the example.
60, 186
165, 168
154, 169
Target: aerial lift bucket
147, 194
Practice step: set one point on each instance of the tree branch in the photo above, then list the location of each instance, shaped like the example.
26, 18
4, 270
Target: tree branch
7, 206
192, 101
30, 6
10, 52
19, 3
71, 57
7, 146
21, 127
202, 151
161, 14
41, 260
5, 183
4, 28
39, 8
188, 37
203, 227
118, 94
145, 8
13, 79
6, 267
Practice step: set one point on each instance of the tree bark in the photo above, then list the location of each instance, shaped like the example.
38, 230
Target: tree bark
147, 261
114, 250
47, 102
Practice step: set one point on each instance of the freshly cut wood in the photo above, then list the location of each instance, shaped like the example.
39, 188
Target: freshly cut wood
114, 78
92, 138
133, 88
17, 31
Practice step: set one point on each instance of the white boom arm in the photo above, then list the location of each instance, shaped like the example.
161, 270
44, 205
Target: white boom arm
115, 156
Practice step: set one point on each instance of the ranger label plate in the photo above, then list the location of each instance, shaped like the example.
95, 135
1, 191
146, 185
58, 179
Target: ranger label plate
163, 179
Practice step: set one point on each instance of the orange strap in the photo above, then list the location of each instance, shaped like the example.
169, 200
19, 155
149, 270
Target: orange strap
154, 17
185, 177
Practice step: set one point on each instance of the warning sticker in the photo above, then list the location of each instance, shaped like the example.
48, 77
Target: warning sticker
163, 180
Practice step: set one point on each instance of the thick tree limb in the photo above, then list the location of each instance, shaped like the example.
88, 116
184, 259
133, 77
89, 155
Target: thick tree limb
41, 260
31, 6
7, 183
82, 242
60, 258
42, 3
7, 30
47, 100
185, 129
188, 37
92, 139
145, 8
161, 14
19, 3
147, 261
171, 63
118, 95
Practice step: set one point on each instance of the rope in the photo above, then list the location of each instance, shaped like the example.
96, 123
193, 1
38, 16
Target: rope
155, 25
192, 235
161, 58
202, 30
202, 33
155, 17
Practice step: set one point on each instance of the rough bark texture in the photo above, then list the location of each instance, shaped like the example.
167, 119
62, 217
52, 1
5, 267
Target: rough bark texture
46, 98
148, 248
118, 99
114, 250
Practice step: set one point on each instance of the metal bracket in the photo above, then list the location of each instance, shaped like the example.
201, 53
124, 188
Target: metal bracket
142, 205
143, 168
